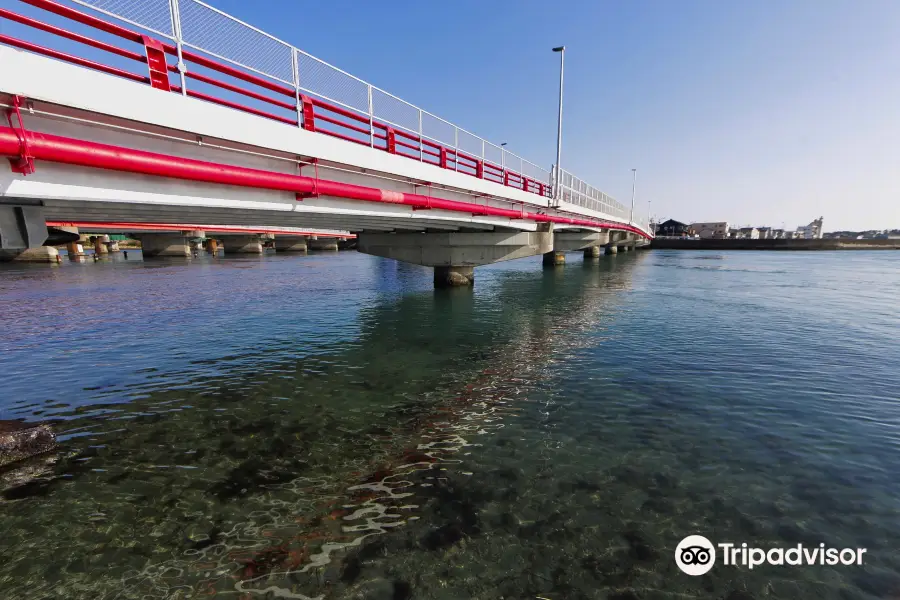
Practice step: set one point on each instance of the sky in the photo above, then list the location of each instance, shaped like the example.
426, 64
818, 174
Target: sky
762, 112
757, 113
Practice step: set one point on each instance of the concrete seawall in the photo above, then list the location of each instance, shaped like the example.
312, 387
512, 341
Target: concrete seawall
774, 244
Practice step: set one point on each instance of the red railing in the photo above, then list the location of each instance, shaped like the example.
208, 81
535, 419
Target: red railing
310, 113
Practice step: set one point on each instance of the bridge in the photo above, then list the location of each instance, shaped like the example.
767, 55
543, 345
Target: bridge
170, 118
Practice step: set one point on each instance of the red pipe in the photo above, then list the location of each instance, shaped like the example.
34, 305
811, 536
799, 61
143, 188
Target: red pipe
43, 146
11, 41
86, 19
125, 226
65, 33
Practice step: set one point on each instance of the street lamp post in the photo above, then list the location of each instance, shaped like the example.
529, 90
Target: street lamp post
633, 185
558, 182
502, 156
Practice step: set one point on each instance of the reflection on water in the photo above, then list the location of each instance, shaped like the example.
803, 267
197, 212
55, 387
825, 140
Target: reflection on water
331, 427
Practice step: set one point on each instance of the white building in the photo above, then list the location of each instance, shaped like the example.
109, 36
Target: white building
718, 230
813, 231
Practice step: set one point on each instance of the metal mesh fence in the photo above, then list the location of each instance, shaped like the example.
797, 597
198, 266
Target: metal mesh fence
392, 110
327, 82
153, 15
206, 29
438, 130
493, 154
577, 192
470, 144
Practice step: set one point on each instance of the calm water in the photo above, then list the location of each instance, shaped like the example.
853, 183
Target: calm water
329, 426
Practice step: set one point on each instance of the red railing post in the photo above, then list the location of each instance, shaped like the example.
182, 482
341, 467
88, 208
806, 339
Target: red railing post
525, 183
479, 169
505, 177
391, 140
309, 115
540, 189
156, 60
443, 158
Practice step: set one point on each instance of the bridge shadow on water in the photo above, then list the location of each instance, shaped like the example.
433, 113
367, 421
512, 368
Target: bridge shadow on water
278, 474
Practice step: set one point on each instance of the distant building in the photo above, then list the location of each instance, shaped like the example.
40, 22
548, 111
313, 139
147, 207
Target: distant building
748, 233
778, 234
765, 232
813, 231
734, 232
673, 228
718, 230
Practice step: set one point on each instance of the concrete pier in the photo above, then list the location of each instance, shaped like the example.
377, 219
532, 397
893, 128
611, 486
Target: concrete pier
454, 255
44, 254
164, 244
212, 245
445, 277
285, 243
323, 244
612, 249
242, 244
554, 258
100, 242
592, 252
75, 250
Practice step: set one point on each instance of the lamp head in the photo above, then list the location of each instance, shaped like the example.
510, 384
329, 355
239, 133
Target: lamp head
559, 48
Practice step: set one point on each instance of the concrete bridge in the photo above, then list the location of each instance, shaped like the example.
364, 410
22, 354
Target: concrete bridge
170, 112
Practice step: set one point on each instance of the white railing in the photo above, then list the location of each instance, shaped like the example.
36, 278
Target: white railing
573, 190
195, 25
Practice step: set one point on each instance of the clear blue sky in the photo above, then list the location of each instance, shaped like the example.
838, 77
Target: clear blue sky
752, 112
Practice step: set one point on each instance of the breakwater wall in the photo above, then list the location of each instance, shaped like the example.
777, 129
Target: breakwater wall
774, 244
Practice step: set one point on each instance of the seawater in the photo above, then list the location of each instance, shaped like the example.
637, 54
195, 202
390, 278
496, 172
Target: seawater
329, 426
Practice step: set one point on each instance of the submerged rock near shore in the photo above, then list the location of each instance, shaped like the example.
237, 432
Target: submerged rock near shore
20, 440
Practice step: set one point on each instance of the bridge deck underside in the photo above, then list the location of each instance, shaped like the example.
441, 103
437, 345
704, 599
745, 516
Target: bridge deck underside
354, 221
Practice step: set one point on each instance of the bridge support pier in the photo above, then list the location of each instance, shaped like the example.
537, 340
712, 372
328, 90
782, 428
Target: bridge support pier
212, 246
242, 244
445, 277
164, 244
612, 249
43, 254
285, 243
591, 252
100, 242
325, 244
554, 258
75, 251
454, 256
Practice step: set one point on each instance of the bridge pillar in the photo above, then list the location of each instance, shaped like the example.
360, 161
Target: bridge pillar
554, 258
284, 243
612, 249
100, 242
324, 244
242, 244
592, 252
164, 244
445, 277
454, 255
44, 254
212, 246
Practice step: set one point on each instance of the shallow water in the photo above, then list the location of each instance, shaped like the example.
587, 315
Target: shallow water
329, 426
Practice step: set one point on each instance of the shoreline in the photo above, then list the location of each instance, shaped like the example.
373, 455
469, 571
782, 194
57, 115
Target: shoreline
774, 244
